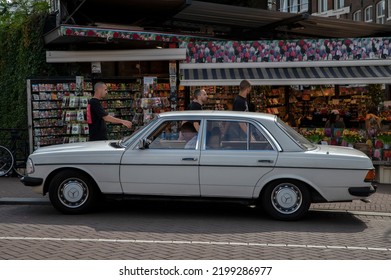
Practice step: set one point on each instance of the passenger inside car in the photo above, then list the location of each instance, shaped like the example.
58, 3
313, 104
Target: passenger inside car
189, 134
213, 139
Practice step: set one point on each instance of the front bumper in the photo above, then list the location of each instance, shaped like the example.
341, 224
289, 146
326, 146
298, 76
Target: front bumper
363, 191
31, 181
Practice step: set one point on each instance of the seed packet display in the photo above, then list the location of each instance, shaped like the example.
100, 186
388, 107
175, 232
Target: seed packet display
69, 128
85, 129
73, 102
83, 101
35, 87
68, 116
65, 100
76, 129
80, 115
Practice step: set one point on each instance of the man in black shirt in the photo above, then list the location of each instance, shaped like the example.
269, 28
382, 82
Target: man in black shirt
240, 102
200, 97
238, 131
99, 117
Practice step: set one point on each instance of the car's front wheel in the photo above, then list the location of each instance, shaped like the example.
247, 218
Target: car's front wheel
286, 200
72, 192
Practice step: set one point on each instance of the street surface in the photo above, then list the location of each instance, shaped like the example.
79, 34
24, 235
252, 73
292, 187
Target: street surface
182, 231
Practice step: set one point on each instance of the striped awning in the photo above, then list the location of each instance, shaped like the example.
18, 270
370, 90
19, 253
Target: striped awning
288, 73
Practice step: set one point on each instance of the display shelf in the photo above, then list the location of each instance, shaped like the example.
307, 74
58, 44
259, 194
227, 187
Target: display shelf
58, 109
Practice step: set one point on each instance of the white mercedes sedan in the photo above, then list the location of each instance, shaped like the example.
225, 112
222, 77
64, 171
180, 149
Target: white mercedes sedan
246, 157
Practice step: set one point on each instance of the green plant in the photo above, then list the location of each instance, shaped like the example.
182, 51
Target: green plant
384, 137
22, 55
315, 136
351, 136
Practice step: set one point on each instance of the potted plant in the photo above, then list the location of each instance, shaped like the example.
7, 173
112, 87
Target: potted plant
315, 136
351, 137
385, 138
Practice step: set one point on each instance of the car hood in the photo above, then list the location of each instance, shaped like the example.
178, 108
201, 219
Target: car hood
82, 152
80, 146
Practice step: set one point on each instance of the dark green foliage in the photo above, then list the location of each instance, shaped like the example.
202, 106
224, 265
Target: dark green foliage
22, 55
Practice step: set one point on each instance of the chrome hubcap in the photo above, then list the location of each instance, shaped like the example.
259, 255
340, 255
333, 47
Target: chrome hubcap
286, 198
73, 193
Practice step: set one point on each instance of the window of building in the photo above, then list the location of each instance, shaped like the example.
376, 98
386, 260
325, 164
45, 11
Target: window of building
380, 12
357, 16
293, 6
322, 6
389, 9
368, 14
284, 6
339, 4
304, 5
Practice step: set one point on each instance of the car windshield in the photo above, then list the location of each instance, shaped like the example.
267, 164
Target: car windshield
297, 137
124, 142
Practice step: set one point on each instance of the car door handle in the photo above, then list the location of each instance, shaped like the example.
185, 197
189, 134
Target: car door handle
189, 159
265, 161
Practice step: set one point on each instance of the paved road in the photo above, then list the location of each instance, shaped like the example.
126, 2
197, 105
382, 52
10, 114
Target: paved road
192, 231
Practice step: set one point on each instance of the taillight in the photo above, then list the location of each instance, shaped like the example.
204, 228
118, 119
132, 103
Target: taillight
371, 176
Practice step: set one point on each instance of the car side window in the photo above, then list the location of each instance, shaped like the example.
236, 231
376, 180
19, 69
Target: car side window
258, 141
214, 132
174, 135
232, 135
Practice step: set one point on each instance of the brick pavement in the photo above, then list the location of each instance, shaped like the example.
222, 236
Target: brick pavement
11, 189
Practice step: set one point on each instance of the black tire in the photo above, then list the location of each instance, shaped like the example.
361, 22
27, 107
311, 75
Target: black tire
286, 200
72, 192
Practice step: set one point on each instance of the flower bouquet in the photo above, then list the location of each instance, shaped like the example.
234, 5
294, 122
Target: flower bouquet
351, 136
315, 136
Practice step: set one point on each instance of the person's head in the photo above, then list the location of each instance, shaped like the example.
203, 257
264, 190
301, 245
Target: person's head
188, 131
100, 90
244, 88
200, 96
213, 139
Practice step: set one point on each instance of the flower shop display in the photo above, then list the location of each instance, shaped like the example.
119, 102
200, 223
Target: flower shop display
385, 138
351, 136
314, 135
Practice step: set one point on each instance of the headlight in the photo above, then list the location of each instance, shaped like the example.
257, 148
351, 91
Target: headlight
29, 166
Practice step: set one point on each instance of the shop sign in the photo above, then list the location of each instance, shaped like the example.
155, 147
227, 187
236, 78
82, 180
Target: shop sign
96, 67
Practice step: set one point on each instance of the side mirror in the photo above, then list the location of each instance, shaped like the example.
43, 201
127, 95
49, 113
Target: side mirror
143, 144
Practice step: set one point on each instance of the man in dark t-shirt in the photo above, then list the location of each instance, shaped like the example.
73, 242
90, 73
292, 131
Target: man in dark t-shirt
200, 97
97, 128
240, 101
99, 117
236, 130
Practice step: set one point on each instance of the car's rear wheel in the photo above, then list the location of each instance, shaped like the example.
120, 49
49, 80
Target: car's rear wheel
286, 199
72, 192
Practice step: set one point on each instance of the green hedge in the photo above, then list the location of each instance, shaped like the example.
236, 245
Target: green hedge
22, 55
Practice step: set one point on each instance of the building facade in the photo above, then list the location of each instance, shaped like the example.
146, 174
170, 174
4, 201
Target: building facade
373, 11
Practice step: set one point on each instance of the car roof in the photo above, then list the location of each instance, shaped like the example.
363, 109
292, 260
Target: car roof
217, 113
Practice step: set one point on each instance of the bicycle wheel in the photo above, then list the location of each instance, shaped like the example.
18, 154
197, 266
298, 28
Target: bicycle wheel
6, 161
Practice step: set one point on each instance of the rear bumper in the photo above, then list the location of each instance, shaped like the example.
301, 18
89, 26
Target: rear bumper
363, 191
31, 181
